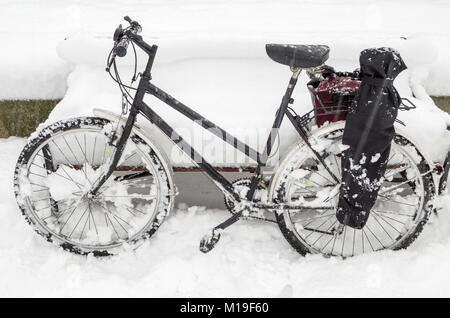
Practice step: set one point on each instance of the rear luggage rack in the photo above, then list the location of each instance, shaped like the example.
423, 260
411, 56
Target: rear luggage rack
403, 106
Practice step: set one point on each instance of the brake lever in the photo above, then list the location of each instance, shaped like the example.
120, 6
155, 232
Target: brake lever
134, 24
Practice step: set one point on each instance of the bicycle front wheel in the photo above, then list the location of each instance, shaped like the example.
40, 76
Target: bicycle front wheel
56, 171
402, 208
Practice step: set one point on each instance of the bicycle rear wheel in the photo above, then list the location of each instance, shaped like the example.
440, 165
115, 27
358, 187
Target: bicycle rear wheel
402, 208
58, 167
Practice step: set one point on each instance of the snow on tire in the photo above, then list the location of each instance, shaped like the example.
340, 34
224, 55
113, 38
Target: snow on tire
403, 206
57, 168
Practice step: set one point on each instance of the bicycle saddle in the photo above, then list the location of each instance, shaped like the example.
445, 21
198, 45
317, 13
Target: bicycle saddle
302, 56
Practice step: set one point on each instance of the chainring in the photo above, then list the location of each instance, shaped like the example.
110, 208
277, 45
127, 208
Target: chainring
242, 186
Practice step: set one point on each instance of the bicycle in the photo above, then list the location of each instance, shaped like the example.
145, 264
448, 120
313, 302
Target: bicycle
101, 184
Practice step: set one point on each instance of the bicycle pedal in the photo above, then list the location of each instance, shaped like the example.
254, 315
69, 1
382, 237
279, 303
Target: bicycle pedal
209, 241
436, 211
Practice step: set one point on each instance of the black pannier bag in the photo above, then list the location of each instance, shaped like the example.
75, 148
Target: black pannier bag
368, 133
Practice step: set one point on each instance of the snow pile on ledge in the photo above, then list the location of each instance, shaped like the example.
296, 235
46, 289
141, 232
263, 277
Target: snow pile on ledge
31, 29
234, 84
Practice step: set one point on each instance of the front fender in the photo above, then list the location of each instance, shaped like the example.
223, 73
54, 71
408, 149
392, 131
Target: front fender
148, 139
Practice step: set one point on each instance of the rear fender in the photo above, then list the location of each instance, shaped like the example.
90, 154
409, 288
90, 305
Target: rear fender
334, 126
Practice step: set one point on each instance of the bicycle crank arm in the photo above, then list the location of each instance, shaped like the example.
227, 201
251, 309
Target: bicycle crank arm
209, 241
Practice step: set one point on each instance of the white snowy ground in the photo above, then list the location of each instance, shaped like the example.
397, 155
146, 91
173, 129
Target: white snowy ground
251, 260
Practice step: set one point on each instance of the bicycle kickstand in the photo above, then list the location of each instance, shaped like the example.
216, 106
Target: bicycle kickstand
209, 241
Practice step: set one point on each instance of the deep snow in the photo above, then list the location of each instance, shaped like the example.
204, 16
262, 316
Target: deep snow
251, 260
33, 26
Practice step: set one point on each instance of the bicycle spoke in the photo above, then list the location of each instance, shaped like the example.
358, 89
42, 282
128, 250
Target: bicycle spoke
322, 234
69, 177
389, 189
60, 231
343, 241
84, 154
104, 152
43, 199
316, 217
383, 219
379, 223
93, 220
301, 186
47, 207
40, 185
39, 175
396, 170
130, 156
312, 232
367, 237
317, 172
84, 226
64, 155
362, 240
139, 196
395, 213
376, 237
40, 190
93, 149
353, 248
117, 218
337, 166
388, 217
70, 149
333, 237
135, 209
112, 224
386, 199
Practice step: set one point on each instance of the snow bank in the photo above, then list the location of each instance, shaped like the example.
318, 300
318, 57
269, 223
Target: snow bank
251, 260
234, 84
31, 29
211, 56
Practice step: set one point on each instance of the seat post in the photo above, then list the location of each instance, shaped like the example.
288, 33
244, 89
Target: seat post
280, 115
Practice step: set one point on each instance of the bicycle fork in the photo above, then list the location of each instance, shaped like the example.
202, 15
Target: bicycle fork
126, 132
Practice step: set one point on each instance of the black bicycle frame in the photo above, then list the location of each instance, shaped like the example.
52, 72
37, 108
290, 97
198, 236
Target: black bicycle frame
140, 107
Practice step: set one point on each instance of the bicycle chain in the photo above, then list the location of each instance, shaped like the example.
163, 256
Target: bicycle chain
229, 203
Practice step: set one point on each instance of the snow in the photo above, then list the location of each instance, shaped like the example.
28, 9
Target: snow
343, 24
212, 58
239, 95
251, 260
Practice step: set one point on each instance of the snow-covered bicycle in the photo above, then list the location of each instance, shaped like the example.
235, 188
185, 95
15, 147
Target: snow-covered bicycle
101, 184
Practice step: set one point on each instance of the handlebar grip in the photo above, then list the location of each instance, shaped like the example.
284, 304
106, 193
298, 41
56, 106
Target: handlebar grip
121, 47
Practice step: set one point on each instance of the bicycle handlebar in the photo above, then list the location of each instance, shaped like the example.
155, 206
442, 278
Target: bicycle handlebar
123, 38
121, 47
